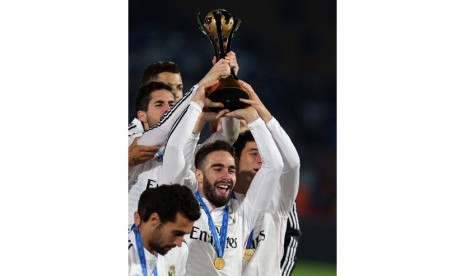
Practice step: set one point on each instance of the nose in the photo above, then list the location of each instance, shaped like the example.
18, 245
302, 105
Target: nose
166, 107
178, 241
225, 176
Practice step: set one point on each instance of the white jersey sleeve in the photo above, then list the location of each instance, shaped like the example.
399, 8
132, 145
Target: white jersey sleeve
158, 135
174, 162
135, 129
263, 186
229, 131
289, 180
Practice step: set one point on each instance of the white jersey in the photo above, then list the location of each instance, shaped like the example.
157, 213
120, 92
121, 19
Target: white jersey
149, 174
159, 134
243, 214
269, 232
153, 173
152, 261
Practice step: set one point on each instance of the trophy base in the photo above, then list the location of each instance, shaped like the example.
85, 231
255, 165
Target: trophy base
229, 97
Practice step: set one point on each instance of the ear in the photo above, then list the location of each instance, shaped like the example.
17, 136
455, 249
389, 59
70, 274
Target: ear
136, 218
142, 116
154, 219
199, 176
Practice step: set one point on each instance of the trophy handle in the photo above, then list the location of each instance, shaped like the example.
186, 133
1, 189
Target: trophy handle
202, 28
236, 24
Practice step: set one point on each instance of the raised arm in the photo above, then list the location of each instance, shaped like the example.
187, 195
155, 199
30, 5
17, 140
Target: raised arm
264, 183
174, 162
158, 135
289, 179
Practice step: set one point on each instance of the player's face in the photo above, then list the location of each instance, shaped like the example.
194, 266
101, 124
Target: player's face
170, 234
218, 177
174, 80
250, 161
160, 102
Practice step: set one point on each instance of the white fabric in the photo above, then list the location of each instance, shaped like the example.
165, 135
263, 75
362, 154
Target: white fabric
243, 213
148, 174
154, 173
269, 232
158, 135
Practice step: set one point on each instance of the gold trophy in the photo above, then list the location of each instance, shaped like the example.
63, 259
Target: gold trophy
220, 27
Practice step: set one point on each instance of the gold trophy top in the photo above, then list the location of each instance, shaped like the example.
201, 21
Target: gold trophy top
219, 26
209, 23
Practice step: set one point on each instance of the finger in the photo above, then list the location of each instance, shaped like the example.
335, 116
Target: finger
214, 60
247, 101
148, 147
211, 84
231, 54
245, 85
148, 153
214, 104
222, 113
134, 142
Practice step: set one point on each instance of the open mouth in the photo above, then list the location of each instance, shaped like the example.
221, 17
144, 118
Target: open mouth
223, 188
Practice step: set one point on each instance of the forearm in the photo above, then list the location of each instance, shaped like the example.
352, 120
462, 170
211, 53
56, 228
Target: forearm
174, 163
229, 130
264, 184
289, 180
189, 151
158, 135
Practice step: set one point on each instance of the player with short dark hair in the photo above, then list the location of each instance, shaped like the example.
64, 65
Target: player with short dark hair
166, 214
216, 240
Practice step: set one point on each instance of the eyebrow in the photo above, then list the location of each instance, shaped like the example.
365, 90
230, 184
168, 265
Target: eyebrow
222, 166
179, 233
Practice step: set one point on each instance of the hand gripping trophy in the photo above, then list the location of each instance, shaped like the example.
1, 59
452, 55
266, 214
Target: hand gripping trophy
220, 27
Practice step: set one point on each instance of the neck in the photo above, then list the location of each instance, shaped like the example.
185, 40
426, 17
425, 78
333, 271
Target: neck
242, 186
145, 241
206, 199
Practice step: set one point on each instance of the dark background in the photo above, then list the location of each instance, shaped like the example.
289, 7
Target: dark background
287, 51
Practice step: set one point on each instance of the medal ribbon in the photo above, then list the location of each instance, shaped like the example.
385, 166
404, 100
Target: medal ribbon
219, 243
250, 241
140, 251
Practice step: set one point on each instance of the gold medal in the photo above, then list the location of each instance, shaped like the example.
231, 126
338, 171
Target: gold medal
172, 271
219, 263
248, 253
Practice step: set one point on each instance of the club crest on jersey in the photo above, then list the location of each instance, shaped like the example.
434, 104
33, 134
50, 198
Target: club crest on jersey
172, 271
232, 218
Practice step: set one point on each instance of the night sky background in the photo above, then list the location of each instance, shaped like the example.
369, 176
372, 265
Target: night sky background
287, 51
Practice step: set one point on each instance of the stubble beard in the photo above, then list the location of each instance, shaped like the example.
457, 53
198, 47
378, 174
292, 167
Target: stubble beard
209, 191
155, 244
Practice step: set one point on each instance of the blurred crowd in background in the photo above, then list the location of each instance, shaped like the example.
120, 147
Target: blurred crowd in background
287, 52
